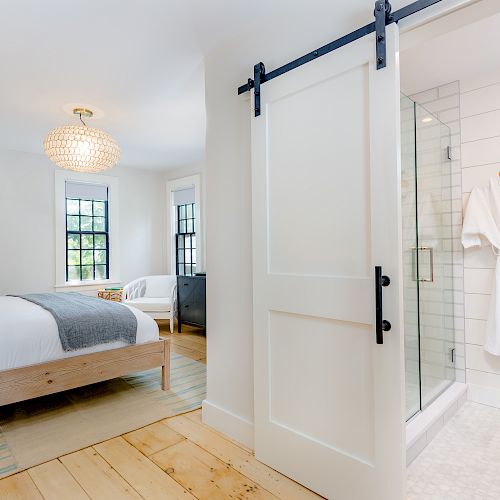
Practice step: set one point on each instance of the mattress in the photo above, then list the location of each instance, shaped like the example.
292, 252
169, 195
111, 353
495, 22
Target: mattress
29, 334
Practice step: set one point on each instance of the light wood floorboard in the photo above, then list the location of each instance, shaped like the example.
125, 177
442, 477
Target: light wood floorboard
153, 438
143, 474
55, 482
178, 457
19, 487
238, 458
195, 416
97, 477
206, 476
191, 342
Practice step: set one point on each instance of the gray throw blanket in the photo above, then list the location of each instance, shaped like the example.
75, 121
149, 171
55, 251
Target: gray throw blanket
85, 321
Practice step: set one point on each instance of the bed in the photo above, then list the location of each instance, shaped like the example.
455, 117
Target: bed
33, 362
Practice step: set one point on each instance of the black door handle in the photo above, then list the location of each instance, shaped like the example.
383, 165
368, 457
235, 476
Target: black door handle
381, 325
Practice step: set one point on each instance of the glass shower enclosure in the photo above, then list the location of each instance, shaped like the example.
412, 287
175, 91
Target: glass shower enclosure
427, 256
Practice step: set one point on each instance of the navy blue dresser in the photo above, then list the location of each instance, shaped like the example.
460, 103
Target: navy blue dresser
191, 301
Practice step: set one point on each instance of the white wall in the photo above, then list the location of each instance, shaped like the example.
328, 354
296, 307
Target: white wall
27, 238
142, 222
480, 122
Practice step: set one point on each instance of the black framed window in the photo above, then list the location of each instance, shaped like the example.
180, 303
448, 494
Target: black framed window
185, 240
87, 240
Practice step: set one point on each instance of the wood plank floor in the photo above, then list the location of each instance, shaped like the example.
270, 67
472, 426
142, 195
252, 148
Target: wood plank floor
176, 458
190, 343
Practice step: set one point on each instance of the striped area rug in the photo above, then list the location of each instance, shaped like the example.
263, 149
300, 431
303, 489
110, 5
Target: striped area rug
39, 430
7, 462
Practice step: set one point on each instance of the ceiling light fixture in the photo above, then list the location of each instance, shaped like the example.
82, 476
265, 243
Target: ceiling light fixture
81, 148
428, 119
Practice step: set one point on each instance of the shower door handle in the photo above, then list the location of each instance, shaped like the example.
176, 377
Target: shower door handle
381, 325
416, 270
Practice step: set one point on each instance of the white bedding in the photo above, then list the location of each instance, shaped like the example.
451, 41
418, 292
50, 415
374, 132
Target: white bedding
29, 334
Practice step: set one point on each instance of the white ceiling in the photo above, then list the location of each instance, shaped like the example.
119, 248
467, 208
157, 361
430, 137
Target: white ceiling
136, 61
139, 62
458, 50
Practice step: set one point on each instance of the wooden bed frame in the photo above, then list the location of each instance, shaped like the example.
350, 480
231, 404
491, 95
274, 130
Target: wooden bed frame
41, 379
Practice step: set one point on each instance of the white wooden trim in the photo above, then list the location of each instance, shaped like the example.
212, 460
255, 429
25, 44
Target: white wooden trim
228, 423
87, 286
175, 185
61, 176
443, 18
431, 14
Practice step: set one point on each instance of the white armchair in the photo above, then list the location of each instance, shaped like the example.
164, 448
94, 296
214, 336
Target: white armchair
154, 295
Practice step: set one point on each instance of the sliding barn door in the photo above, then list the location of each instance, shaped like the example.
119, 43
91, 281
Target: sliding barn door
326, 211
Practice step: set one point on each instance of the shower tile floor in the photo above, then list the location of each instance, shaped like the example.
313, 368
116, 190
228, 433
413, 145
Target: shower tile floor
463, 460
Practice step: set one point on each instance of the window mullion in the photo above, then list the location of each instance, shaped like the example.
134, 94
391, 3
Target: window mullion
104, 245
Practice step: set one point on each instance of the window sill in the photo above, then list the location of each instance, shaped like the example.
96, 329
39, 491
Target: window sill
87, 285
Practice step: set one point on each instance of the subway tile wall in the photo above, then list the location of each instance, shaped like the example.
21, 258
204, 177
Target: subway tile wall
480, 142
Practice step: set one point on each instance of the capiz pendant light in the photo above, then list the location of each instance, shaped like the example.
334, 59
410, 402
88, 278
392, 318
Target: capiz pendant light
81, 148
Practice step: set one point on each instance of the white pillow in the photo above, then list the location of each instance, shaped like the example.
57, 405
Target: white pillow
158, 286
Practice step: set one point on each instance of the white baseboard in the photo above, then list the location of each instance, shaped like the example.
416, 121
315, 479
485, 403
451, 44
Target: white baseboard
489, 396
234, 426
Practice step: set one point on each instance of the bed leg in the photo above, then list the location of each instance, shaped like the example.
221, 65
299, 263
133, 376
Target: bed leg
165, 369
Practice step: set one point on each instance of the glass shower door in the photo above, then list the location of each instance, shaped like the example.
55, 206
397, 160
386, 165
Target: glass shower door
410, 283
427, 256
433, 255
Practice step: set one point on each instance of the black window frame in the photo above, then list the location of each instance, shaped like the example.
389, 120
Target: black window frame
180, 267
81, 233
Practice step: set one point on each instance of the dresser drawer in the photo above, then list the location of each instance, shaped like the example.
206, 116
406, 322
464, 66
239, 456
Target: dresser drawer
191, 302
